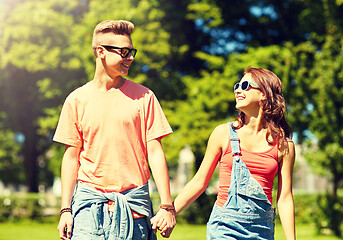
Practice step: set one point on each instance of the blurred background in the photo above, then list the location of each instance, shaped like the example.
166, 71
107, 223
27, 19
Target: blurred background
190, 53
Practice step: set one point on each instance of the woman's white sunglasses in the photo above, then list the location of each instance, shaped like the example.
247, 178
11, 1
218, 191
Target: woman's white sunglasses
245, 85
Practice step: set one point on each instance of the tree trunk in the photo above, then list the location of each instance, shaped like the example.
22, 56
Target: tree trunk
335, 218
30, 160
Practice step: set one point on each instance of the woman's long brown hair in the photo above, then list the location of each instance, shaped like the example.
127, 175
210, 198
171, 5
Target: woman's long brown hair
273, 106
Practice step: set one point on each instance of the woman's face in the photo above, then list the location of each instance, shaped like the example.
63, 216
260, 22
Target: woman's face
250, 97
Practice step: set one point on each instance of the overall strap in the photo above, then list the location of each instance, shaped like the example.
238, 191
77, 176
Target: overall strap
234, 140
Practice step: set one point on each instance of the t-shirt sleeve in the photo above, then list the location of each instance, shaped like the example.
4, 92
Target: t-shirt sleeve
156, 121
68, 129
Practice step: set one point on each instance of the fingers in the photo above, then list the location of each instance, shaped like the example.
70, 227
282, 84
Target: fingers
153, 224
158, 222
65, 227
165, 222
161, 223
163, 226
167, 233
68, 230
62, 232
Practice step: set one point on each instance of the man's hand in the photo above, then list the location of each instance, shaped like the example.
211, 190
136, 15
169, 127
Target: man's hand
164, 221
65, 226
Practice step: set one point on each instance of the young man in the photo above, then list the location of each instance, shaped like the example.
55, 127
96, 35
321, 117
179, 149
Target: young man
112, 129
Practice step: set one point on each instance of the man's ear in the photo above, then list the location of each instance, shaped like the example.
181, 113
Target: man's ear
100, 51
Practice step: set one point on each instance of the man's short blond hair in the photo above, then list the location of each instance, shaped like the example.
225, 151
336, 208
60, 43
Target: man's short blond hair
120, 27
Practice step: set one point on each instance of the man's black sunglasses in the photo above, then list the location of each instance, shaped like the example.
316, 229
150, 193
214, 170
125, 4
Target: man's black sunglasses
124, 52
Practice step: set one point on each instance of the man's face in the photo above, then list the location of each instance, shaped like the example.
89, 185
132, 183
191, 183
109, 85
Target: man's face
112, 59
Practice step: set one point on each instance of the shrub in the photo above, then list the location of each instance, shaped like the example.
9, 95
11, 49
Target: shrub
199, 211
305, 207
329, 214
18, 207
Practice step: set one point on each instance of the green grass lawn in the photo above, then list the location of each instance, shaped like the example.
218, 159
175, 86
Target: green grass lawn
47, 231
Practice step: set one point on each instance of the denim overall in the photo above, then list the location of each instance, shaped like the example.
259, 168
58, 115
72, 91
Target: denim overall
247, 213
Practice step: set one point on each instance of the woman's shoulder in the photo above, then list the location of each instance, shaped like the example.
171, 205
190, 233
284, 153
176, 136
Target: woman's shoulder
222, 129
221, 134
289, 143
287, 149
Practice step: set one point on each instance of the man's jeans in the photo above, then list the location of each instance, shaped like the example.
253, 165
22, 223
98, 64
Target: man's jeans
86, 229
93, 220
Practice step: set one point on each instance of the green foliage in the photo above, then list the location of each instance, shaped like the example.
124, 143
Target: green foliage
306, 207
47, 62
207, 10
35, 38
183, 57
210, 99
199, 211
149, 37
319, 88
37, 69
328, 214
11, 166
16, 207
193, 120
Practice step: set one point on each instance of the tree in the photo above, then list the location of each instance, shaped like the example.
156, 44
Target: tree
36, 66
11, 167
149, 38
326, 99
316, 104
41, 62
287, 38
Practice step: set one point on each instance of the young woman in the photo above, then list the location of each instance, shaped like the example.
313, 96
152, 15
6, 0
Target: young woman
250, 152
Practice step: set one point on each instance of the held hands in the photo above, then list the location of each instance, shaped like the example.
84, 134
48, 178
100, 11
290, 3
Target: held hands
65, 225
164, 220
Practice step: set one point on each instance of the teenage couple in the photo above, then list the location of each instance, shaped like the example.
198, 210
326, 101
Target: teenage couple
112, 129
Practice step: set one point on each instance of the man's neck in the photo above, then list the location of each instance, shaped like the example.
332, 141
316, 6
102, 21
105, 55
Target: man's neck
106, 83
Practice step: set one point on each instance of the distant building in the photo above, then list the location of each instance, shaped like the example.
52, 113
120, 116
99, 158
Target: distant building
184, 170
304, 180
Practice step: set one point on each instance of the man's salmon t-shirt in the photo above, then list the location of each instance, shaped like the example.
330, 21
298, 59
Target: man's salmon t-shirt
112, 129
